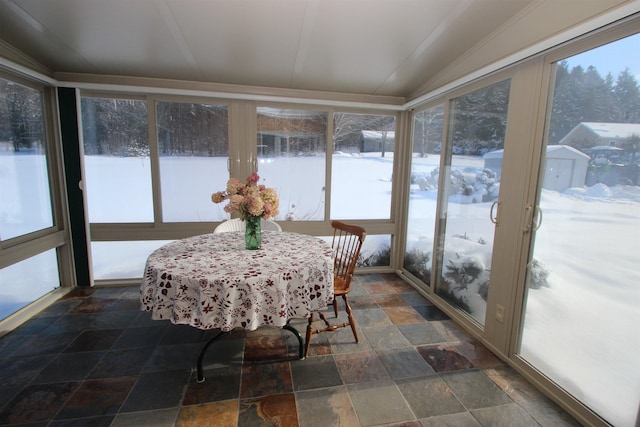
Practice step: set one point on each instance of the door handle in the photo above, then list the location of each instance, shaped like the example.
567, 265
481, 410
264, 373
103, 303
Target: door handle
492, 217
537, 218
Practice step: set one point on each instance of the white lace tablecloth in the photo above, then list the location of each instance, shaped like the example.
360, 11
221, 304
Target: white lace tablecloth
212, 282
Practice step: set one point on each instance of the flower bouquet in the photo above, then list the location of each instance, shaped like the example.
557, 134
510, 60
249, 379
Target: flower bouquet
252, 202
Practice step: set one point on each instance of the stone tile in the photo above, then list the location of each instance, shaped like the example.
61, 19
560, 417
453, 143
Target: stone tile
429, 396
548, 414
315, 372
159, 418
35, 326
378, 288
451, 332
362, 302
97, 397
92, 304
415, 298
360, 367
277, 410
510, 415
224, 353
371, 318
385, 337
172, 358
390, 300
444, 357
325, 407
140, 337
45, 344
117, 363
69, 367
478, 354
125, 305
100, 421
378, 403
59, 308
431, 312
224, 414
343, 341
474, 389
37, 403
404, 363
404, 424
262, 345
265, 379
20, 371
421, 333
94, 340
181, 334
10, 343
157, 391
461, 419
219, 384
514, 385
369, 278
114, 320
74, 323
404, 315
7, 394
320, 345
143, 319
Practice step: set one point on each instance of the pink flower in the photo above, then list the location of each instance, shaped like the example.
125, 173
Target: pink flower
253, 178
248, 199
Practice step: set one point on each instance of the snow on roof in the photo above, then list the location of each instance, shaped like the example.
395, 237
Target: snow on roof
613, 130
377, 134
554, 150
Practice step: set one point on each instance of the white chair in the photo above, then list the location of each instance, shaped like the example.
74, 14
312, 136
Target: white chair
237, 224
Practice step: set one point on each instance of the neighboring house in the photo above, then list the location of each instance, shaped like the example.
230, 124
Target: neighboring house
565, 167
590, 134
373, 140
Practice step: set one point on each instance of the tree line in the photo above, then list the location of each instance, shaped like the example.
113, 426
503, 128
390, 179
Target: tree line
119, 126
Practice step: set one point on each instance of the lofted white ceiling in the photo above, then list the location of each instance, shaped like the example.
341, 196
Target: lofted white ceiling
372, 47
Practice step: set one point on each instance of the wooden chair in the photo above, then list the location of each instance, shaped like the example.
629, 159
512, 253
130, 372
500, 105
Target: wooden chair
237, 224
346, 244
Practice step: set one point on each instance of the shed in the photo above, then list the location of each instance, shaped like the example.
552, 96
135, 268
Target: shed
373, 140
565, 167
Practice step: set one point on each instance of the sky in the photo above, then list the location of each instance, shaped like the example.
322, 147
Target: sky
613, 58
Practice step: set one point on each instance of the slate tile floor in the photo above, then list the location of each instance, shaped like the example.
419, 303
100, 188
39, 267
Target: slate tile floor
93, 359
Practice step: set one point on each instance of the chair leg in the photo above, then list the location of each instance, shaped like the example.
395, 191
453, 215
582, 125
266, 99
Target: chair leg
352, 319
335, 306
307, 343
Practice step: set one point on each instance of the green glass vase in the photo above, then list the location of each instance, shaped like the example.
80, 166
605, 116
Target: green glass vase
253, 234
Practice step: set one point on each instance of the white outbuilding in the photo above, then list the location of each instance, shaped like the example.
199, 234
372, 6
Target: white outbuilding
565, 167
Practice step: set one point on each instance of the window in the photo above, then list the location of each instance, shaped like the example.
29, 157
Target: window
473, 164
362, 166
116, 160
25, 199
26, 206
193, 147
581, 305
423, 192
291, 147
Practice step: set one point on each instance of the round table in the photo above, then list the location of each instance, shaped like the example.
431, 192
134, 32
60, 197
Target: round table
212, 282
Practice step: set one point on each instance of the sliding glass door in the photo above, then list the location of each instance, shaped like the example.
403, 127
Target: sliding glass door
471, 186
581, 311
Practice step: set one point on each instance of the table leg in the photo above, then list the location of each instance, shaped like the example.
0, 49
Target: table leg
200, 375
293, 330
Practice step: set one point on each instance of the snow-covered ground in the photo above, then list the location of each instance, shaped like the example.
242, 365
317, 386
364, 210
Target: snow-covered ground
579, 330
